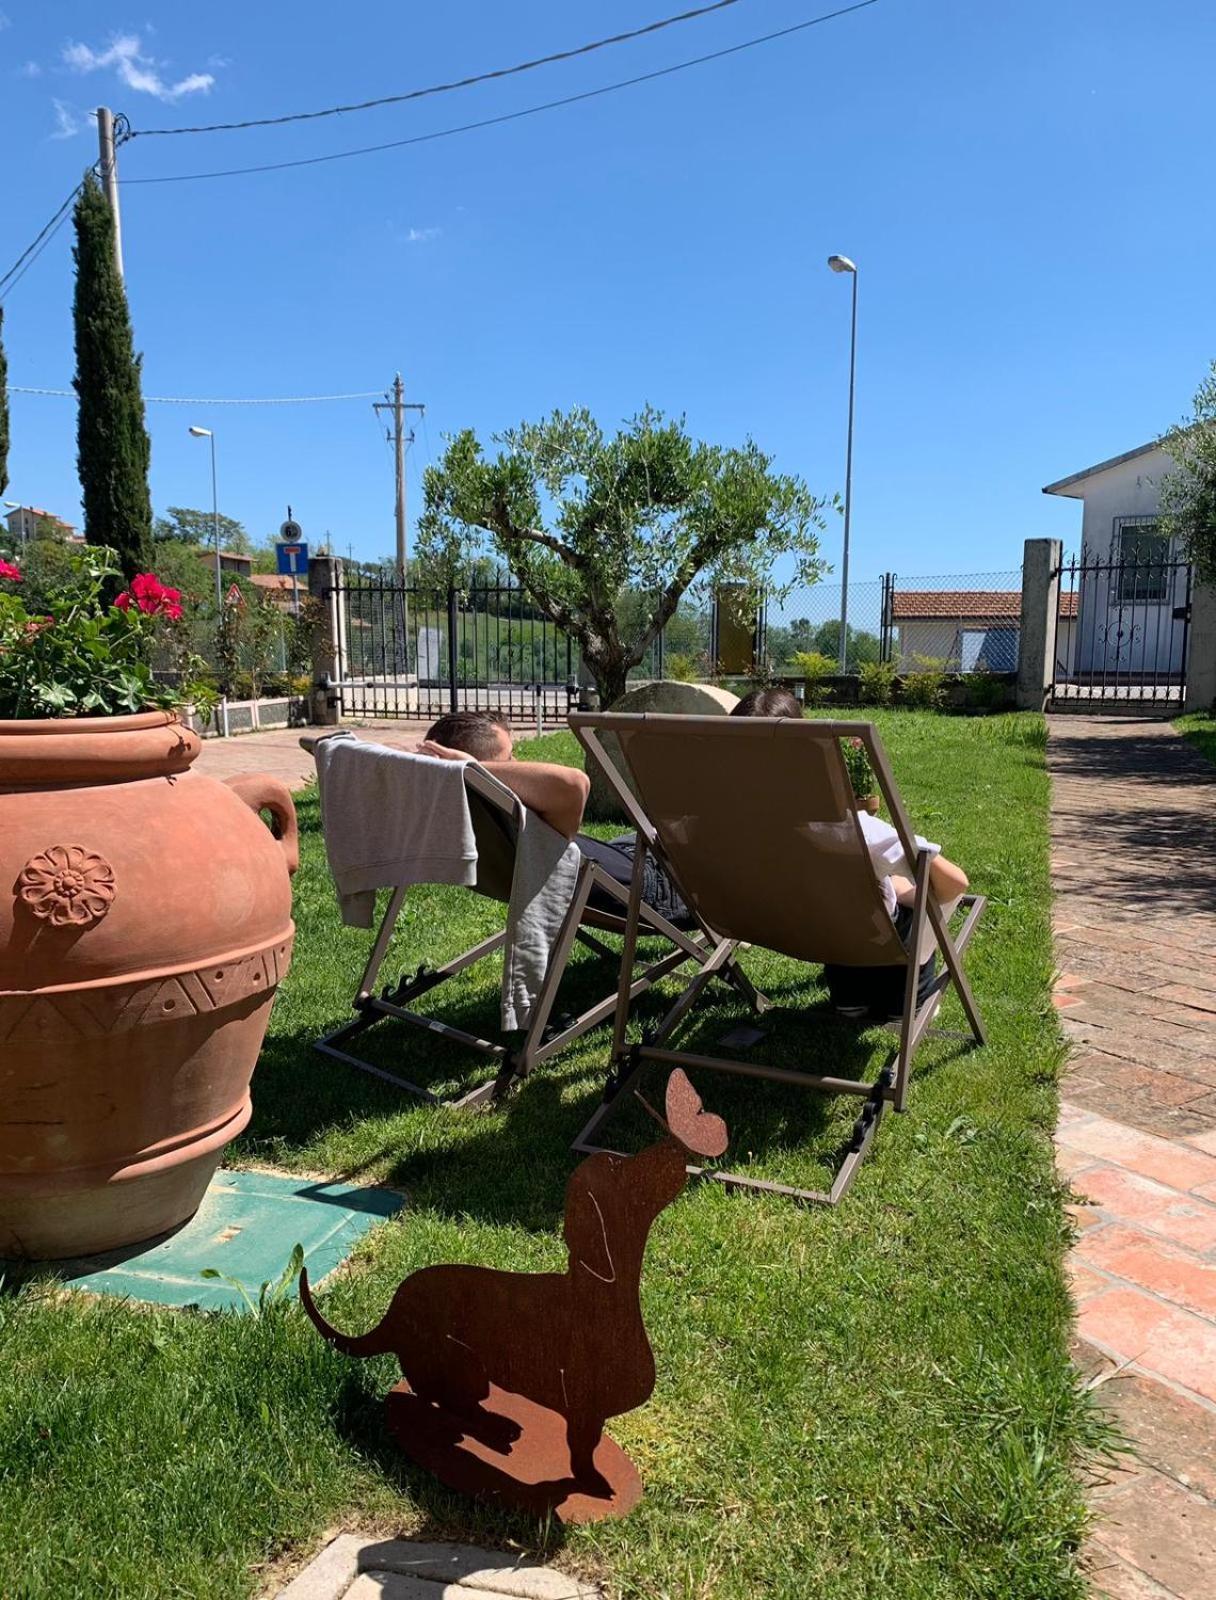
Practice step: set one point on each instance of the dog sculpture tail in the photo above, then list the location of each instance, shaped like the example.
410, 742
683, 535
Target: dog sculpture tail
372, 1343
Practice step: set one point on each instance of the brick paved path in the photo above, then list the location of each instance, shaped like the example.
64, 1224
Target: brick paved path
278, 750
1134, 868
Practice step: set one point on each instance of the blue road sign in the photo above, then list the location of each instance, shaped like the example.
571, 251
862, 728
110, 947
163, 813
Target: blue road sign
292, 559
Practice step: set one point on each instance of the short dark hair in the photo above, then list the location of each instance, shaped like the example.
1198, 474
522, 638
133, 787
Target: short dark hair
773, 701
474, 732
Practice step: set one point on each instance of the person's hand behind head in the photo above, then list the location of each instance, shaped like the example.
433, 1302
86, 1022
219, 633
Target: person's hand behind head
430, 747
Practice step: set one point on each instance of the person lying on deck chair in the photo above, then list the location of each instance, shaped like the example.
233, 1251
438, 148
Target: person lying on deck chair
556, 793
859, 991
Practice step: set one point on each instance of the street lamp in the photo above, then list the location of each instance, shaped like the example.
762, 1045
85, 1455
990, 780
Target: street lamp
206, 433
843, 264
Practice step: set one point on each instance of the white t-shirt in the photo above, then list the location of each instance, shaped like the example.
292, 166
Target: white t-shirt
887, 854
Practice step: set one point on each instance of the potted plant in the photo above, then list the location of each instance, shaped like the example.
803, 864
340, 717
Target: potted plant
145, 921
861, 775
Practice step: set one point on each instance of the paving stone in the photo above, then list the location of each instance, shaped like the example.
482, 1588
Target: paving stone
354, 1567
393, 1586
1164, 1270
1183, 1219
1172, 1435
1134, 1326
488, 1571
1188, 994
1205, 1140
331, 1574
1083, 1281
1141, 1153
1165, 1531
1115, 1579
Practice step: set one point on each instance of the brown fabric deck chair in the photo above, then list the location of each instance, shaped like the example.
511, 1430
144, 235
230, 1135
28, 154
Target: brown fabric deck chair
756, 822
495, 814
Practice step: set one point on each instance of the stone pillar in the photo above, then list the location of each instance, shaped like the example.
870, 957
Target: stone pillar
325, 705
1040, 614
1201, 649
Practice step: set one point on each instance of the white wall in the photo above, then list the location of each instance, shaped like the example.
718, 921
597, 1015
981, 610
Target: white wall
1143, 637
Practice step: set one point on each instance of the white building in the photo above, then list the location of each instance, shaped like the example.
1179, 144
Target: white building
1132, 585
970, 630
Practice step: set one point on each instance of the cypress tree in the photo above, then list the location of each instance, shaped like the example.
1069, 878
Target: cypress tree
3, 409
112, 445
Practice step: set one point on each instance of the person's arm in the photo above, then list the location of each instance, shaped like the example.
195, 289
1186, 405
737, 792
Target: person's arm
558, 794
946, 880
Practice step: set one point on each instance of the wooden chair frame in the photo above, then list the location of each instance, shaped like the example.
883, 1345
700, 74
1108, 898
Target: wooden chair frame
890, 1087
541, 1039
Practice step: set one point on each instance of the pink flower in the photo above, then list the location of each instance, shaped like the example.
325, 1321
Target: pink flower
152, 597
9, 571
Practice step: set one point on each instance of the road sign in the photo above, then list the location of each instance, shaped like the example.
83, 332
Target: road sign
292, 556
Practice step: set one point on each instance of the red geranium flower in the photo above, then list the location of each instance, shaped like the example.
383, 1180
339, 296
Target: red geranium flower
152, 597
9, 571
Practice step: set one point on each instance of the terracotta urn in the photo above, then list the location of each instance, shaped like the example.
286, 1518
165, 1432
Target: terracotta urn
870, 803
145, 922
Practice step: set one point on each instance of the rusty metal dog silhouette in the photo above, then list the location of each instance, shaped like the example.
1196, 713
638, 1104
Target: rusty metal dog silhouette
509, 1377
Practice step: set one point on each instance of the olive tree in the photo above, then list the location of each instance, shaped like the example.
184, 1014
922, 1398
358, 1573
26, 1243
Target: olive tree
1188, 492
583, 518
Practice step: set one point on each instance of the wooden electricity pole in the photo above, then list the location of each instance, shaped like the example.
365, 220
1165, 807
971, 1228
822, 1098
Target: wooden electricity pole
398, 407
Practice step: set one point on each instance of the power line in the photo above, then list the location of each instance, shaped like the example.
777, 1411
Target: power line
33, 257
43, 235
512, 116
442, 88
187, 400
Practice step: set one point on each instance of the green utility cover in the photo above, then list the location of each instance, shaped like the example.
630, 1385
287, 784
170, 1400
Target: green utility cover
246, 1228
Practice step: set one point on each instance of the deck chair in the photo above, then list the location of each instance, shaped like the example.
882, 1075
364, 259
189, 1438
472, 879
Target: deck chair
495, 813
756, 822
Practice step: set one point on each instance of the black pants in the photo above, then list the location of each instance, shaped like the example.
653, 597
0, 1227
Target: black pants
880, 989
617, 861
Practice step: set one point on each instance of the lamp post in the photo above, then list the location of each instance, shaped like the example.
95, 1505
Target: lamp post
206, 433
843, 264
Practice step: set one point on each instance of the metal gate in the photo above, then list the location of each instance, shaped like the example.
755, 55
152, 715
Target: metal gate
1123, 627
409, 652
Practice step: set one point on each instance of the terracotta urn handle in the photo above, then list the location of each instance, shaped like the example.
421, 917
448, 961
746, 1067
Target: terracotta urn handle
261, 792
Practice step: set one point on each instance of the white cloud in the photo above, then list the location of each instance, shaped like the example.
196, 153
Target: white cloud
31, 69
138, 71
68, 121
5, 21
422, 235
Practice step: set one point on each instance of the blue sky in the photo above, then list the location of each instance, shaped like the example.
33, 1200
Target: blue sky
1026, 188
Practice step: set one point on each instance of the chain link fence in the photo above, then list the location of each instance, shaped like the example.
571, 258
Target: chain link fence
969, 622
957, 623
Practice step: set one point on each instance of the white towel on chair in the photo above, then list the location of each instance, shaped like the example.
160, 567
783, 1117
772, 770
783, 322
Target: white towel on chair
391, 819
546, 870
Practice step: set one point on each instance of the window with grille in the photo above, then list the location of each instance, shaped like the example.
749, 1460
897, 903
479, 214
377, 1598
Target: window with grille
1143, 556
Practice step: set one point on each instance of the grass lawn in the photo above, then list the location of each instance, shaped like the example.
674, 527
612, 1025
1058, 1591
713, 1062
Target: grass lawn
871, 1401
1199, 729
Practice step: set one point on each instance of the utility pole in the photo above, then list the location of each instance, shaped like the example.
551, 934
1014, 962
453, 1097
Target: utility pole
108, 169
398, 406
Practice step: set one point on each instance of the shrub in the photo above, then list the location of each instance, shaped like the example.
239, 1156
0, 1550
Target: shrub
925, 688
79, 654
681, 667
877, 680
816, 668
857, 763
985, 691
